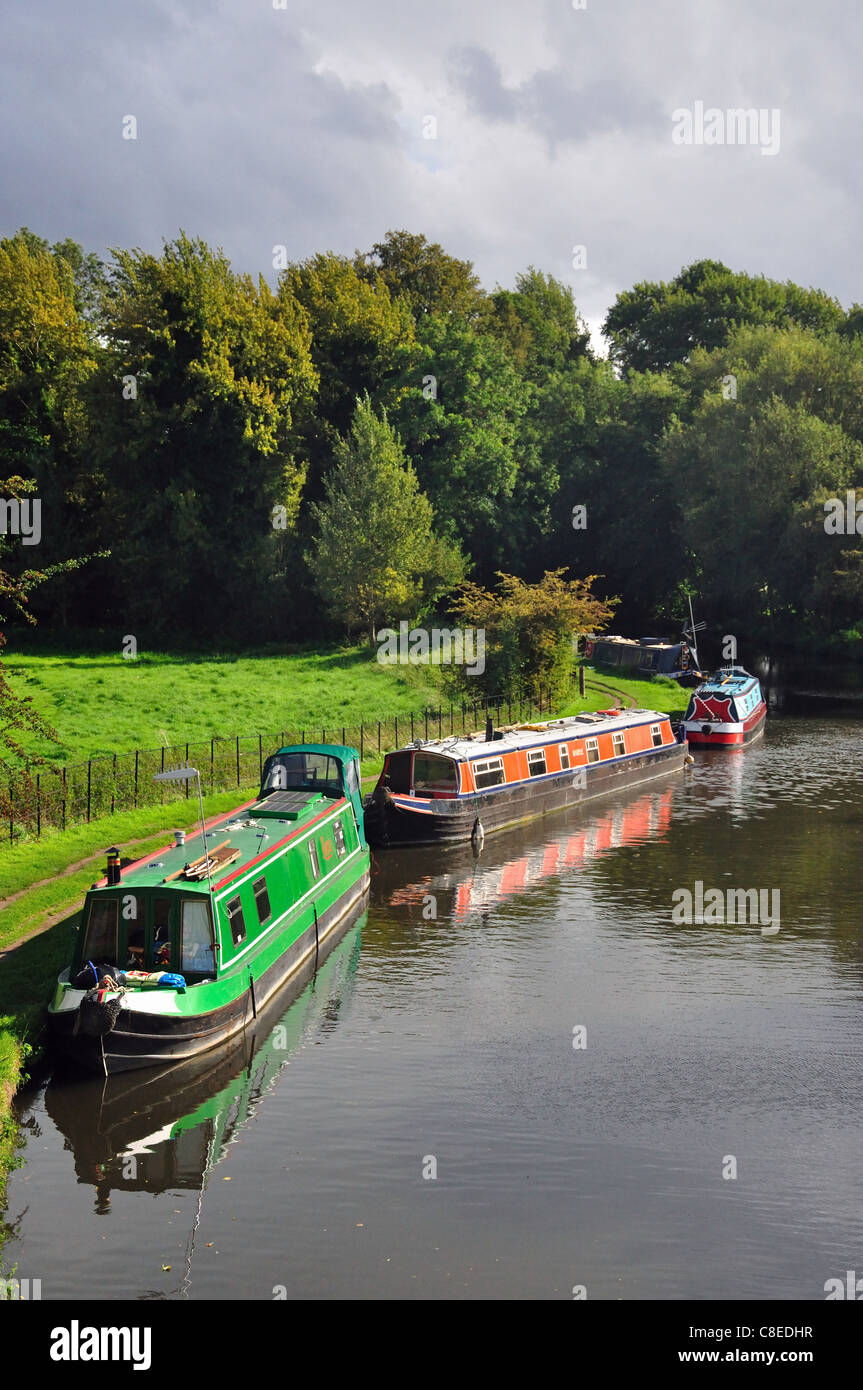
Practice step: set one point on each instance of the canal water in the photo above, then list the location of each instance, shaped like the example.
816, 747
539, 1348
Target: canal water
516, 1075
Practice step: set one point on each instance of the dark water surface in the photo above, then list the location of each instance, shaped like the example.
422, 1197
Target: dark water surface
297, 1161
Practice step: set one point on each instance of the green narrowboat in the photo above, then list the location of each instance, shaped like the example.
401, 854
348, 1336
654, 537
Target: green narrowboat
178, 952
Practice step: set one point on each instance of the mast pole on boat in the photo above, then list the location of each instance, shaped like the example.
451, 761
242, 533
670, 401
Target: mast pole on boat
185, 774
691, 634
203, 832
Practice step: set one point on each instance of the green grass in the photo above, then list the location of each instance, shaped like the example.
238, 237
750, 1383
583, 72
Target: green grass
660, 694
101, 702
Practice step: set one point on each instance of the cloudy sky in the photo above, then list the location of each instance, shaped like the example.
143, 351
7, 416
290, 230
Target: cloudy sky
552, 126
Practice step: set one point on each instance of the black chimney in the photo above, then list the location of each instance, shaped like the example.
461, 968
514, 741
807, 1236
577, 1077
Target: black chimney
112, 872
489, 730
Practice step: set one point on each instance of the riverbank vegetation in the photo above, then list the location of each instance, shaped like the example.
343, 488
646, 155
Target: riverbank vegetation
196, 422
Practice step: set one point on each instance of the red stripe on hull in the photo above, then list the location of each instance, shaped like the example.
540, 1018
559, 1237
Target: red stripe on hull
734, 739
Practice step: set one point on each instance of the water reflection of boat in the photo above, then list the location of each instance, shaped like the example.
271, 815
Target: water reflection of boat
469, 885
149, 1131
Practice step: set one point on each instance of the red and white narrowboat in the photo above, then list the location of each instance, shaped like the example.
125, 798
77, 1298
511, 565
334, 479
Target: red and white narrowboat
727, 711
456, 788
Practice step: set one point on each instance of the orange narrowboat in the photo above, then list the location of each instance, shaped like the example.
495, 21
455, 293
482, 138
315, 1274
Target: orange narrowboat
457, 788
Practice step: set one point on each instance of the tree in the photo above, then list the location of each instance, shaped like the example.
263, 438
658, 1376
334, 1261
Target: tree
47, 360
206, 378
422, 274
376, 559
753, 468
356, 333
539, 323
655, 325
529, 631
458, 414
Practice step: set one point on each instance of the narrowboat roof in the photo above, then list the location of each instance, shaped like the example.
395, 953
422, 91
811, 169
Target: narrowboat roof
250, 829
332, 750
468, 747
639, 642
730, 680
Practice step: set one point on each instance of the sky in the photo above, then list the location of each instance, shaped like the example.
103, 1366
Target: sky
513, 132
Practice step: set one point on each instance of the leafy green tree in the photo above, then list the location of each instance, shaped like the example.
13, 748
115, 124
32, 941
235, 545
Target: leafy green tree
422, 274
530, 631
458, 413
539, 324
207, 375
753, 467
357, 331
376, 558
47, 359
655, 325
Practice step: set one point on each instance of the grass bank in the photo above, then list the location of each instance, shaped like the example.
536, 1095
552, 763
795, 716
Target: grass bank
101, 702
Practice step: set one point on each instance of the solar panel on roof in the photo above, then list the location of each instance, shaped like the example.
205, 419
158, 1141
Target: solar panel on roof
284, 803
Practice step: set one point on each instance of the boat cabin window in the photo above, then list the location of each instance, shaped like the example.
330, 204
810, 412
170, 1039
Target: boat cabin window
564, 756
593, 750
618, 744
433, 773
397, 772
197, 956
100, 943
489, 772
234, 910
136, 932
316, 772
262, 900
536, 763
339, 837
313, 855
162, 933
656, 735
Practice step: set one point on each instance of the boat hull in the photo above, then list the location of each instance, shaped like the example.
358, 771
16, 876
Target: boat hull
734, 735
151, 1036
389, 822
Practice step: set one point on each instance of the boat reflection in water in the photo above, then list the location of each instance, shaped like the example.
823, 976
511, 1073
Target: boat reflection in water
469, 885
168, 1127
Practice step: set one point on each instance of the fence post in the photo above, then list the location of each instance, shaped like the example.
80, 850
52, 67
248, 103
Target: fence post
89, 784
426, 713
136, 777
11, 813
114, 784
581, 679
397, 731
412, 726
38, 806
439, 723
260, 759
362, 742
212, 766
450, 717
343, 735
63, 803
238, 759
188, 779
379, 736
